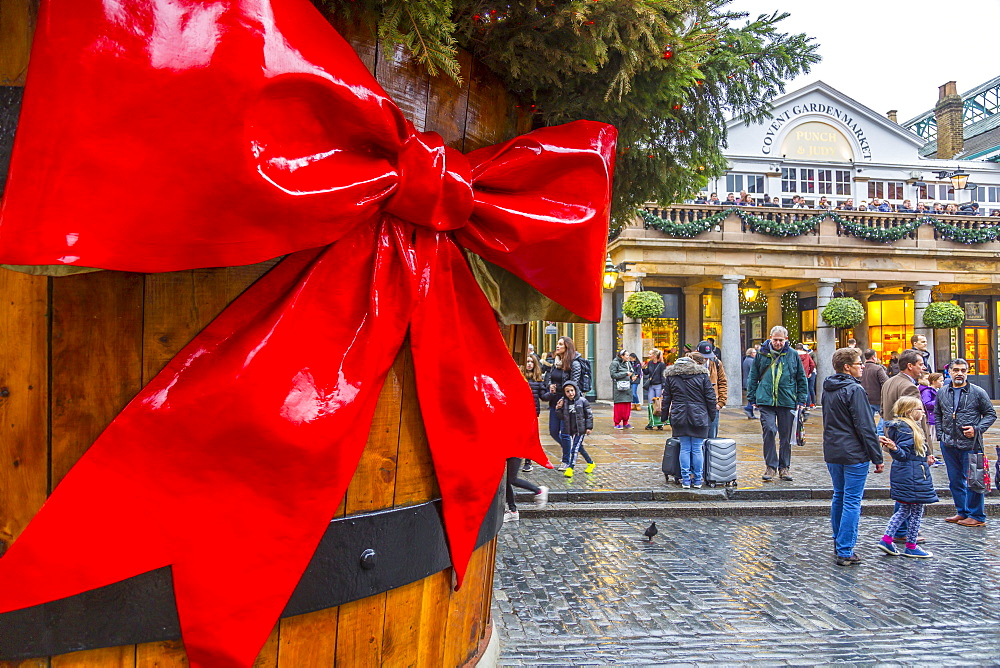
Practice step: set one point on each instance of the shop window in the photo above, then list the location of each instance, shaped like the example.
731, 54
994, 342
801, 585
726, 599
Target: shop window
808, 326
711, 318
890, 326
788, 180
976, 344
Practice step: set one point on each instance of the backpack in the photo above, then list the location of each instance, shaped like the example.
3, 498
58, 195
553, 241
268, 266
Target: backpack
586, 375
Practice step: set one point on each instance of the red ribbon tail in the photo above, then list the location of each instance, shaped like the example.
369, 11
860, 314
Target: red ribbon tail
477, 407
230, 464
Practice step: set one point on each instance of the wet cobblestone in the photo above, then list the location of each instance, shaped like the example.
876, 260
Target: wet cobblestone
741, 591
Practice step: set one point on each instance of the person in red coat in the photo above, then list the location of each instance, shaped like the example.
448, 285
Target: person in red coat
810, 368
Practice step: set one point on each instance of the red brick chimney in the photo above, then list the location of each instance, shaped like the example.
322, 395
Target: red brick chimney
948, 114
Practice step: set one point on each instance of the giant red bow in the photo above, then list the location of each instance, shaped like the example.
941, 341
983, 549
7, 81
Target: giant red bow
159, 135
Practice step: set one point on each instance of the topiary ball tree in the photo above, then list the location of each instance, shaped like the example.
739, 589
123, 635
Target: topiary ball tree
643, 305
843, 312
943, 315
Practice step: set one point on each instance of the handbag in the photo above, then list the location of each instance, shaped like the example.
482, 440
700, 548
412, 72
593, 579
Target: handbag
976, 475
623, 385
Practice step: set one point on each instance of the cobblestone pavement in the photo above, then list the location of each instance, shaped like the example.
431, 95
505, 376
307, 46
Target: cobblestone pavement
741, 591
630, 459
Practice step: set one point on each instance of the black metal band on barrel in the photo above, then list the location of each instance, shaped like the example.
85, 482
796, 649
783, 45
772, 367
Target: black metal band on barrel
359, 556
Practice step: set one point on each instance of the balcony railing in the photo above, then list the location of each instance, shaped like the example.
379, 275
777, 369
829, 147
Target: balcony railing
903, 230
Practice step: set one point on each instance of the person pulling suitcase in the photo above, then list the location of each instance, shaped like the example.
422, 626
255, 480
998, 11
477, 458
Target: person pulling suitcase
689, 403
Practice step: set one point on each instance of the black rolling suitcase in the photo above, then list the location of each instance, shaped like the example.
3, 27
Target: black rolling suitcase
671, 465
720, 462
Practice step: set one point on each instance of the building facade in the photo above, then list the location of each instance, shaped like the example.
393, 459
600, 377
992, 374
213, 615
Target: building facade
819, 143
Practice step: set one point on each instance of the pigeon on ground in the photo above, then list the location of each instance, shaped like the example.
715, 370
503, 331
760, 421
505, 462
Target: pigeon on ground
651, 531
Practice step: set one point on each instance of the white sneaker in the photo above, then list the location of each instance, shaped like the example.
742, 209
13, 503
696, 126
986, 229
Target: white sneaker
542, 497
562, 466
511, 516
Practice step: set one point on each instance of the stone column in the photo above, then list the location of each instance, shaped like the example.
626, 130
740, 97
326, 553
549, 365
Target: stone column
773, 310
692, 317
731, 353
826, 336
603, 350
631, 329
863, 330
921, 298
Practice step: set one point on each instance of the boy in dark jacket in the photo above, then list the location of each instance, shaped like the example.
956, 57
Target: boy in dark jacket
577, 422
850, 445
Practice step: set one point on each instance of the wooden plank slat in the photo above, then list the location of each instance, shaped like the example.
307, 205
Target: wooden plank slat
96, 358
465, 623
107, 657
361, 623
24, 470
166, 654
486, 119
447, 104
268, 656
178, 305
374, 481
415, 479
27, 663
406, 82
309, 640
17, 24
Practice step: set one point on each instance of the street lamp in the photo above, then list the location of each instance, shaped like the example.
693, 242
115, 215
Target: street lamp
750, 290
612, 271
959, 179
610, 274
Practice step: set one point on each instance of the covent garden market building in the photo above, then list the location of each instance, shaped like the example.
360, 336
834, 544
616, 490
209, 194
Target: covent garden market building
730, 273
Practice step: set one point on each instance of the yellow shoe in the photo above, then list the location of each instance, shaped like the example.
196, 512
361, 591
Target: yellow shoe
590, 467
568, 472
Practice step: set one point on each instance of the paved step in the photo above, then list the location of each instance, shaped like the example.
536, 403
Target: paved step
714, 505
677, 493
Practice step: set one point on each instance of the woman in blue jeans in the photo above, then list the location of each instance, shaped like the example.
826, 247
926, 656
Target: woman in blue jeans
689, 402
850, 446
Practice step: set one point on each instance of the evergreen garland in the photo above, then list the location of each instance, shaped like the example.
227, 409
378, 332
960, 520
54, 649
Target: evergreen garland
776, 228
682, 230
879, 234
952, 232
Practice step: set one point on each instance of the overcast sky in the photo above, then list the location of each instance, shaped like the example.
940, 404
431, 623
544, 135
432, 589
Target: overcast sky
888, 54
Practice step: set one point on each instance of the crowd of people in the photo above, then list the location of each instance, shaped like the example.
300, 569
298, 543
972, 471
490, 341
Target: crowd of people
875, 204
921, 419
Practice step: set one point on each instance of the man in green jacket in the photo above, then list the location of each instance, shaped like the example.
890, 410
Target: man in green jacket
777, 385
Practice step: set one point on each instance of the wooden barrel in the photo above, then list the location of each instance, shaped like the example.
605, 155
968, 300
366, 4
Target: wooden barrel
78, 348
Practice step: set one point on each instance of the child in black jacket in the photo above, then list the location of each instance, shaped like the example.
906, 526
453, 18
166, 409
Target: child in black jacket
577, 422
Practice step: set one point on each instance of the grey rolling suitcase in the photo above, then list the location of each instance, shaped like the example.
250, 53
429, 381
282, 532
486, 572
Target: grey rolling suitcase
720, 462
671, 465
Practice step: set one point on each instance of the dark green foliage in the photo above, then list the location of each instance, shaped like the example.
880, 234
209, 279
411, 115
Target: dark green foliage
943, 315
664, 72
643, 305
843, 312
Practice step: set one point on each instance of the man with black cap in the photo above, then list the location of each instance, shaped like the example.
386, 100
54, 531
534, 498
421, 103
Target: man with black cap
716, 374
